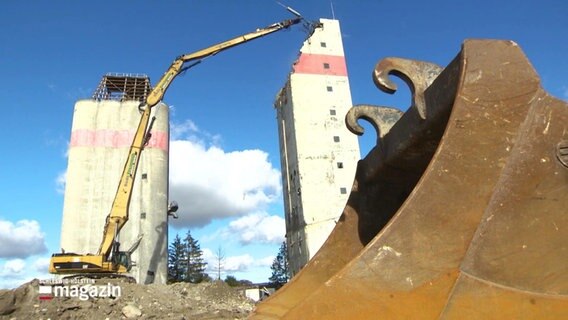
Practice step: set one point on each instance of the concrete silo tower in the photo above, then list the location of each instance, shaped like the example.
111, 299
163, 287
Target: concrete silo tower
318, 154
102, 131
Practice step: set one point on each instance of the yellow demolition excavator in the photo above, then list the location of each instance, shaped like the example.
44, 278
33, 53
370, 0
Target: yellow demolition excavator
109, 259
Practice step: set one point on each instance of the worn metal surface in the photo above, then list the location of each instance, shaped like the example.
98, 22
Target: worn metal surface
418, 75
562, 152
459, 212
381, 118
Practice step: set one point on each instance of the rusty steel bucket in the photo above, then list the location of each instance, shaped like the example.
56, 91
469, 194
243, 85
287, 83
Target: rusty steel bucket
461, 209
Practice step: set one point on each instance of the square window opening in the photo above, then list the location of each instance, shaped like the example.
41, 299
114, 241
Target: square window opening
336, 139
329, 88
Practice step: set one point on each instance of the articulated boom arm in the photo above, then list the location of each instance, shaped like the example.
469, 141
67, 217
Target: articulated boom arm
177, 66
109, 258
119, 212
118, 215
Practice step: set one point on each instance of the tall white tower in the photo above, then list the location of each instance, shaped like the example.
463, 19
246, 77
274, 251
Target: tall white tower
101, 135
318, 154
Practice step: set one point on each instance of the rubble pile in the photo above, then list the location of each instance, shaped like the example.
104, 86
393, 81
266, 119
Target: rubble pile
208, 300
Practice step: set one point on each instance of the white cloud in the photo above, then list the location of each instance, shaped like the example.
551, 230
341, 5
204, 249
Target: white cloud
232, 264
15, 272
265, 262
22, 239
182, 130
257, 228
60, 182
209, 183
189, 131
13, 268
208, 255
41, 264
238, 263
212, 260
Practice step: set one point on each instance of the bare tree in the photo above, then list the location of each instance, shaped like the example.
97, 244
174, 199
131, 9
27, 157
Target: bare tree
220, 256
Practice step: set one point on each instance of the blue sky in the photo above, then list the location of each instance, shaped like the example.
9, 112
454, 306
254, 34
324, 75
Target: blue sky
53, 53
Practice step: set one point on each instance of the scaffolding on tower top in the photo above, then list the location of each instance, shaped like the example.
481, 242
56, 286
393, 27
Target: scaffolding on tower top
123, 87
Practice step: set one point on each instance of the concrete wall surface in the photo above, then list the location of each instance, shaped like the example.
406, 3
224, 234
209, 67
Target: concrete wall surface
318, 154
101, 135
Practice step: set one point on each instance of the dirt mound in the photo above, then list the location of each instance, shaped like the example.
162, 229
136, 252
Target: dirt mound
210, 300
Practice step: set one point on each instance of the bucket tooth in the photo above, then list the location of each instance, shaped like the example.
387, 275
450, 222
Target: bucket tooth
459, 212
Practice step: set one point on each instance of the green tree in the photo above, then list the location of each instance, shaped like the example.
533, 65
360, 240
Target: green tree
280, 271
195, 266
232, 281
176, 255
245, 283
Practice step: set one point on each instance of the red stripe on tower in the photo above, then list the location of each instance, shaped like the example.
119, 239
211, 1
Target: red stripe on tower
114, 139
321, 64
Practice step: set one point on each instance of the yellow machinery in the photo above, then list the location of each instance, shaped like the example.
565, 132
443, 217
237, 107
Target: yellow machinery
109, 259
461, 209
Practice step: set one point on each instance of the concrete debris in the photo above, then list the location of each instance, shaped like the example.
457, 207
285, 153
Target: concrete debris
130, 311
209, 300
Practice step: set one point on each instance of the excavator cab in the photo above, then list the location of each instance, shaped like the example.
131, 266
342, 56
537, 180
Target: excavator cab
123, 259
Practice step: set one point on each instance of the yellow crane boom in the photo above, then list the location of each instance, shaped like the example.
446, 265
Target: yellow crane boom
109, 259
178, 65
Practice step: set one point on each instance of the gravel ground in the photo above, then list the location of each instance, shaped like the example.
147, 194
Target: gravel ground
209, 300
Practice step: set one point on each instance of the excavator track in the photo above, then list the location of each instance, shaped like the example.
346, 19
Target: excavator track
100, 277
459, 212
